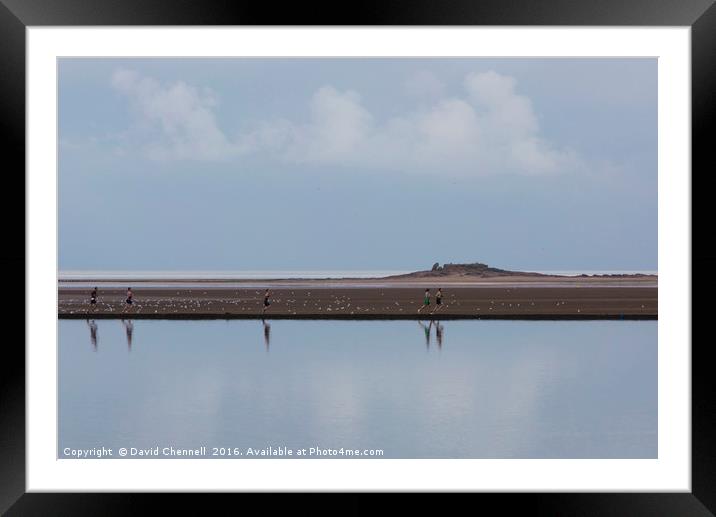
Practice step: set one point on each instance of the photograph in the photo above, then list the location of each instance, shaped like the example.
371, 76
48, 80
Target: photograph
437, 250
412, 248
357, 258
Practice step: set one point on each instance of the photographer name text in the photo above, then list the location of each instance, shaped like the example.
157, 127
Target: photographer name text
218, 452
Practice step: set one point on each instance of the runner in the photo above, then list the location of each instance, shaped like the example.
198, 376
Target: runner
426, 300
266, 300
93, 296
438, 299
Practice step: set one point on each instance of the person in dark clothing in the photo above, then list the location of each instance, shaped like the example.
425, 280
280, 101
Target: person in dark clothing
438, 299
267, 302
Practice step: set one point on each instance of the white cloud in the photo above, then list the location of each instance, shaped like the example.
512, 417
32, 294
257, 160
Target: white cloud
491, 129
339, 127
178, 120
506, 113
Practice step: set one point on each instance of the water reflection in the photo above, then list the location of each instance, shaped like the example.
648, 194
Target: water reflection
129, 333
93, 333
267, 334
584, 389
426, 328
439, 334
439, 328
129, 329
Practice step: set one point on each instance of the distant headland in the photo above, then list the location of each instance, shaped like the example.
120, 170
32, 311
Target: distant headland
480, 270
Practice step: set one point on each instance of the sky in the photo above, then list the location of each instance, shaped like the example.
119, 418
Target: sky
357, 163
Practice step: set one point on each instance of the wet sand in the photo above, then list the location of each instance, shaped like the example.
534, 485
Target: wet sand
322, 300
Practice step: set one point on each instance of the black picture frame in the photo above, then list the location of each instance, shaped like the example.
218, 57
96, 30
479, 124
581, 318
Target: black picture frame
16, 15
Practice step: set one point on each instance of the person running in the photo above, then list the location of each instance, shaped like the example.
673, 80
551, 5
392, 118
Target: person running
129, 296
426, 300
93, 296
267, 302
438, 299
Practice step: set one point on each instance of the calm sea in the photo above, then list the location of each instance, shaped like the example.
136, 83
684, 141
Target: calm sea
455, 389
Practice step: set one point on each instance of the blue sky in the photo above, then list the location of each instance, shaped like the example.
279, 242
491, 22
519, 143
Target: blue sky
309, 164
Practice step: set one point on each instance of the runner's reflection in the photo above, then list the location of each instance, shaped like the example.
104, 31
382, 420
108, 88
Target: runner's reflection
93, 333
128, 328
439, 334
426, 328
267, 334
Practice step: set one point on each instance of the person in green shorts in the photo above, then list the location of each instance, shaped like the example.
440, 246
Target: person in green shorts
426, 300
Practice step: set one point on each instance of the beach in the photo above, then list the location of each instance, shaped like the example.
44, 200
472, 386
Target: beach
503, 298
